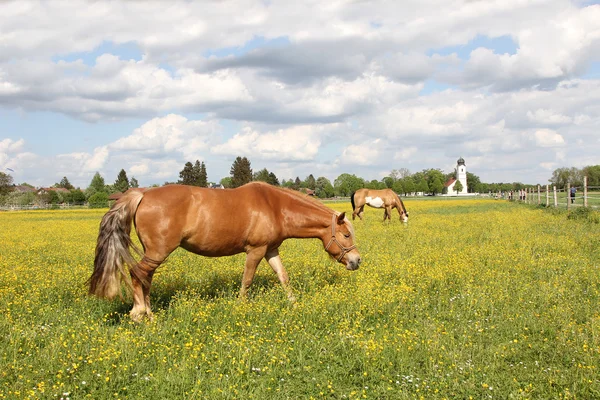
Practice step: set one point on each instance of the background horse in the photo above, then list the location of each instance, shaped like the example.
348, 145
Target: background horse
385, 198
255, 218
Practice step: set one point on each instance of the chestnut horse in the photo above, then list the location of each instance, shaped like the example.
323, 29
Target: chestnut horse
255, 218
385, 198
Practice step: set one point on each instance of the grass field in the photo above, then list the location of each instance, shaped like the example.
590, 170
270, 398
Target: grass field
474, 298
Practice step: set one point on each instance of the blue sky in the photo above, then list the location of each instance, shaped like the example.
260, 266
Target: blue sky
513, 88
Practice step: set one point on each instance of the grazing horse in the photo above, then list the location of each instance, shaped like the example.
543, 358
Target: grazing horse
255, 218
385, 198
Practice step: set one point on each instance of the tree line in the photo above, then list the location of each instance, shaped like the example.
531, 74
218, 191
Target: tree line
428, 181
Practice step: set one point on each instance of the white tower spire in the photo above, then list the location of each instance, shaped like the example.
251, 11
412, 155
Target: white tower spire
461, 174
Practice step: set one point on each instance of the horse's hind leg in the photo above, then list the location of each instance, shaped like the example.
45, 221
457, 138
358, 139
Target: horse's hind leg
274, 261
362, 212
141, 279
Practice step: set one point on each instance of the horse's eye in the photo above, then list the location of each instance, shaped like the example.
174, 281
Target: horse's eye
347, 235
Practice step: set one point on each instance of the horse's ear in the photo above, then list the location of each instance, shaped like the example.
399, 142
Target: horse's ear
340, 218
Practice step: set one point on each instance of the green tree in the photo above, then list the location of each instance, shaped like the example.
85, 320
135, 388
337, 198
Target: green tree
389, 182
77, 196
297, 184
6, 183
64, 183
122, 182
436, 186
273, 179
262, 175
323, 188
310, 182
241, 172
431, 175
408, 185
345, 184
203, 177
422, 186
473, 182
97, 185
397, 187
289, 184
186, 175
562, 176
593, 175
226, 182
133, 182
98, 200
458, 187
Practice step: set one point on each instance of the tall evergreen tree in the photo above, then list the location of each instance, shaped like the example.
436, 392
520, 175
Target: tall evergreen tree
186, 175
97, 185
310, 182
133, 182
196, 174
64, 183
241, 172
273, 179
122, 182
203, 177
262, 175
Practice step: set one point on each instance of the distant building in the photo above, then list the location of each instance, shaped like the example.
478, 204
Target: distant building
461, 175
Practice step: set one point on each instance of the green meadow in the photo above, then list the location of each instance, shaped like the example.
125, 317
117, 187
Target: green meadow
474, 299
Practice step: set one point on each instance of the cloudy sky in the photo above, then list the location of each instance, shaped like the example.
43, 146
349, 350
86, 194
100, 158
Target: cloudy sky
298, 87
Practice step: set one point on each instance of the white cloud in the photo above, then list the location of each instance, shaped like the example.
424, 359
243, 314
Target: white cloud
169, 134
300, 87
298, 143
405, 153
547, 117
548, 138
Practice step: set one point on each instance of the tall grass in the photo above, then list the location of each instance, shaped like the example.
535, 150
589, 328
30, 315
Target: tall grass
482, 299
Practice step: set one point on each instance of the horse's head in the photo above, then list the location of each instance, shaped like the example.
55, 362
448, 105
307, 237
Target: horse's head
340, 242
404, 216
403, 212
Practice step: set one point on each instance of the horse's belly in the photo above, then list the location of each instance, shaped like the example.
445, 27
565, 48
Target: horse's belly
376, 202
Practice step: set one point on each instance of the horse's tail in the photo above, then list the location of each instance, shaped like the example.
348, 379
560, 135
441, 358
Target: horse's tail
352, 200
112, 248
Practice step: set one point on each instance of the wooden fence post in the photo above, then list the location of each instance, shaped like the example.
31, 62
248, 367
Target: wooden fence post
555, 198
568, 196
539, 196
585, 203
547, 197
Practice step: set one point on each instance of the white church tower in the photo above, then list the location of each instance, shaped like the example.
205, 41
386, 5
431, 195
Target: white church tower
461, 174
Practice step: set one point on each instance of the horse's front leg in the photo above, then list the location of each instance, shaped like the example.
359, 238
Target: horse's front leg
274, 261
387, 213
253, 257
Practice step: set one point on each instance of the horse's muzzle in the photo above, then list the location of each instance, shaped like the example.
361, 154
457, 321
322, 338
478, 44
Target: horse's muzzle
353, 264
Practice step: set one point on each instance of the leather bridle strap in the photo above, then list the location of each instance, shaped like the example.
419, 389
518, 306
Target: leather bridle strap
333, 239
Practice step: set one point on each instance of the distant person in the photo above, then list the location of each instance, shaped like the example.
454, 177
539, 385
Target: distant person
573, 190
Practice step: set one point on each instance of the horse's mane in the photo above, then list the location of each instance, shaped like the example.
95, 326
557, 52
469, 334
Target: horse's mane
297, 195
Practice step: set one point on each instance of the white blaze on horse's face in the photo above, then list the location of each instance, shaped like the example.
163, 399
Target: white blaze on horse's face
404, 217
375, 202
